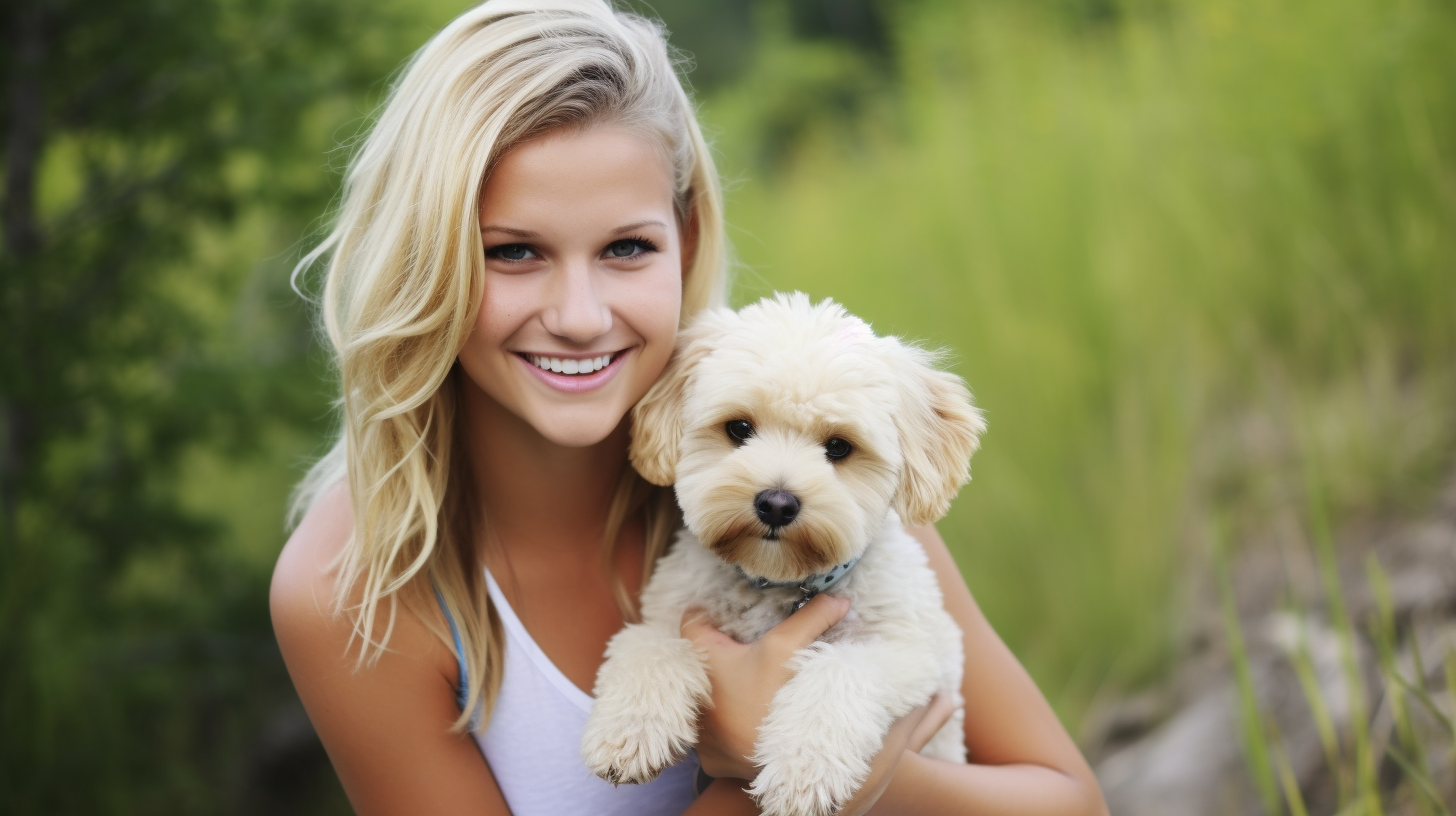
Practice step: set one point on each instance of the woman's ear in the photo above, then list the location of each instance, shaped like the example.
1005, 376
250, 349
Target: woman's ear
657, 419
939, 430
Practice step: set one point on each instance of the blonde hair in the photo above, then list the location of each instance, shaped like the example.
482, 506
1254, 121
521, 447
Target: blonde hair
404, 281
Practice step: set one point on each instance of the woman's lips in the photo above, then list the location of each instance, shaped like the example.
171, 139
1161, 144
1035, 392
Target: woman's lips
576, 383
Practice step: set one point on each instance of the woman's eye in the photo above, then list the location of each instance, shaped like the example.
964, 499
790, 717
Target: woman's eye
629, 248
837, 449
739, 430
511, 252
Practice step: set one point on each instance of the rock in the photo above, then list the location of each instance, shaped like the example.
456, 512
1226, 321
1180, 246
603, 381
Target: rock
1180, 749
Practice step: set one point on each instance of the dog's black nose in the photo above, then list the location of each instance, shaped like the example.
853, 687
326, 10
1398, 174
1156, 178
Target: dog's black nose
776, 508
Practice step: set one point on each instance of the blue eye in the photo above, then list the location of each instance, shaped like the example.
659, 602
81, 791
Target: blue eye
629, 248
511, 252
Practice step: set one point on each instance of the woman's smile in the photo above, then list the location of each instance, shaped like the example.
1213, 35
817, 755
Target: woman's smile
574, 373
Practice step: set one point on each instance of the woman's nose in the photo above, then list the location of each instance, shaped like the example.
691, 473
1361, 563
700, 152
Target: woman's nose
577, 311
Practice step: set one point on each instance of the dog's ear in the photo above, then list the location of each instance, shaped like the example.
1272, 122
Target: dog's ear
657, 419
939, 430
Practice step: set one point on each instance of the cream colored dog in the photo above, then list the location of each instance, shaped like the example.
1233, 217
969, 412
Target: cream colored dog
798, 441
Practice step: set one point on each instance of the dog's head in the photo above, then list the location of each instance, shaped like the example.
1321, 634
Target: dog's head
790, 431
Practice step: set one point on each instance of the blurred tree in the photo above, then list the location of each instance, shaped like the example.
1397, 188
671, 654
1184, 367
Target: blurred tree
721, 37
134, 135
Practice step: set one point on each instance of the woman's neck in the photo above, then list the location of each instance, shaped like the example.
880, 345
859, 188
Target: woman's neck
537, 496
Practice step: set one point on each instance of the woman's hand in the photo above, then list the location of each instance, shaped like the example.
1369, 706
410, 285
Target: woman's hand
746, 677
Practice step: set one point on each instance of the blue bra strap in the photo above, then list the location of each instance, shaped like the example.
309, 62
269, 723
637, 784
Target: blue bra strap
462, 690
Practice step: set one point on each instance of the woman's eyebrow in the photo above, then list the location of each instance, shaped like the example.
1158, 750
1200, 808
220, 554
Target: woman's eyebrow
637, 225
519, 233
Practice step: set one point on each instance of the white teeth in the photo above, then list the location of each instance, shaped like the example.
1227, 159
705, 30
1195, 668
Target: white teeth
570, 365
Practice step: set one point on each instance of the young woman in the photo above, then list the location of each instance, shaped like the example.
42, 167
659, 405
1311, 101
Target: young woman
533, 216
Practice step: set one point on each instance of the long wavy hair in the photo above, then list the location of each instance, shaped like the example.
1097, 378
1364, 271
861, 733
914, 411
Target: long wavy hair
403, 280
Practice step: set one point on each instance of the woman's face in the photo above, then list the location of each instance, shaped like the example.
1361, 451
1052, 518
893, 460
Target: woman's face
583, 282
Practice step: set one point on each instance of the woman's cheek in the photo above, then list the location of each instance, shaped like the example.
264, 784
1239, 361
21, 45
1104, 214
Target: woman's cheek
660, 313
505, 304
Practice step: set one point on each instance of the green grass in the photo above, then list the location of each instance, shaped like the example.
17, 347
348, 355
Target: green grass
1253, 727
1382, 757
1179, 251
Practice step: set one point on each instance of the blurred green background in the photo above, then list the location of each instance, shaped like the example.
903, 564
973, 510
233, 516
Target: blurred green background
1189, 255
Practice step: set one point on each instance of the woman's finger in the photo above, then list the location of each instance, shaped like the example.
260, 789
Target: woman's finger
698, 627
805, 626
692, 617
937, 714
903, 729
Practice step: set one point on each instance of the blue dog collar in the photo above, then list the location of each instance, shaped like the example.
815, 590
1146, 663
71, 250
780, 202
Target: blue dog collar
811, 586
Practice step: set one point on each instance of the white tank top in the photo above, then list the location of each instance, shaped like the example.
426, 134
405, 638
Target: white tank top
533, 742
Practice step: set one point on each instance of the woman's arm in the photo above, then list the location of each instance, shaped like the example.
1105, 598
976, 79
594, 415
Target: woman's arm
1023, 762
385, 727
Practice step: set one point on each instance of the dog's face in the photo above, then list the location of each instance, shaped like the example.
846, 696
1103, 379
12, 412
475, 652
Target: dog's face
790, 431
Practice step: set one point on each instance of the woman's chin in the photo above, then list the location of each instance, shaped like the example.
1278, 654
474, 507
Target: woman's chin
577, 431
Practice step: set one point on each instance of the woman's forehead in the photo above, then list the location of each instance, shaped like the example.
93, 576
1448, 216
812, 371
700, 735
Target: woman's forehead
602, 178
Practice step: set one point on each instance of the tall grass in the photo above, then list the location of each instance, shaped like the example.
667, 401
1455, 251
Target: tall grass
1178, 248
1385, 750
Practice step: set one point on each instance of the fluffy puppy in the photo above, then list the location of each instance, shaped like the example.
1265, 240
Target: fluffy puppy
798, 442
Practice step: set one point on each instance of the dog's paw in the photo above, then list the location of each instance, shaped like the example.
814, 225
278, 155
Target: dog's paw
645, 718
813, 762
824, 728
807, 784
633, 750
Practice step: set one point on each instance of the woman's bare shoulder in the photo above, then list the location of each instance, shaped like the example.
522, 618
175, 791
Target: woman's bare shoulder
302, 578
385, 724
303, 595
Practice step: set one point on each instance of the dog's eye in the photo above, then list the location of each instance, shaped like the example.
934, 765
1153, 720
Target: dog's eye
739, 430
837, 449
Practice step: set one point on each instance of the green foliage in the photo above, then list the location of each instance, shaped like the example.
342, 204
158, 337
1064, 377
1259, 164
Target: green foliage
151, 160
1181, 249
